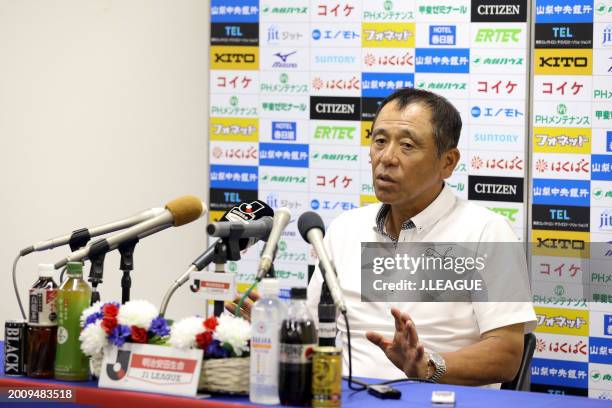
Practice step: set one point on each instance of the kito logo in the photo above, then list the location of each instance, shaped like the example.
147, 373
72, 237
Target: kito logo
239, 57
236, 58
570, 61
579, 62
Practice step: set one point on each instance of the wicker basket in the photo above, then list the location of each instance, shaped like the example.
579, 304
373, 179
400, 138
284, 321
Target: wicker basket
225, 375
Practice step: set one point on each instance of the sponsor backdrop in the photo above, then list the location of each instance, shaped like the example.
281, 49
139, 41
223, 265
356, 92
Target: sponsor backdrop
571, 196
294, 88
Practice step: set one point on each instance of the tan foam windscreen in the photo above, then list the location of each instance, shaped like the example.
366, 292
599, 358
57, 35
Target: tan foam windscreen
185, 209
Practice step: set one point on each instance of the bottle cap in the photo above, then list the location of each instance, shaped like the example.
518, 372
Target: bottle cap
46, 270
269, 287
74, 268
298, 293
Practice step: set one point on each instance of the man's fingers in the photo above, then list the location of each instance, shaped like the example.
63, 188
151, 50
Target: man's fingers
230, 307
397, 315
411, 333
254, 296
420, 352
378, 339
244, 313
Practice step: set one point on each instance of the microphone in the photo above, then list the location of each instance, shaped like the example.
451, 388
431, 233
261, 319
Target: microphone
312, 229
239, 218
280, 221
259, 229
177, 212
94, 231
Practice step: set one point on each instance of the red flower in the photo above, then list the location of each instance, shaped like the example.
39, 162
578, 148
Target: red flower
139, 335
211, 323
110, 309
108, 323
204, 339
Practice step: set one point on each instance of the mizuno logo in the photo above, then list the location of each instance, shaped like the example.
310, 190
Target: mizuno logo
284, 57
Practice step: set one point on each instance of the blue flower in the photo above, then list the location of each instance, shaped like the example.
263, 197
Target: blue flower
92, 318
215, 350
119, 335
159, 327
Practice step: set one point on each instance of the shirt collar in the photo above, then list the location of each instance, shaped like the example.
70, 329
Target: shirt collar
430, 215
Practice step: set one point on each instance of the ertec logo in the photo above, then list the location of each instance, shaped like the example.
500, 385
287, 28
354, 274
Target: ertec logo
241, 57
563, 62
498, 35
334, 132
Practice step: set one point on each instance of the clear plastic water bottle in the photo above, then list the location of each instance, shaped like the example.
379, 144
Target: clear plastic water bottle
267, 315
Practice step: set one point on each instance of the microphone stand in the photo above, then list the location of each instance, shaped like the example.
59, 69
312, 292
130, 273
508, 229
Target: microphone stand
97, 252
78, 240
126, 249
226, 249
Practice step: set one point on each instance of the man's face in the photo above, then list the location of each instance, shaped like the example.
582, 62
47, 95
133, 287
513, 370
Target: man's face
406, 169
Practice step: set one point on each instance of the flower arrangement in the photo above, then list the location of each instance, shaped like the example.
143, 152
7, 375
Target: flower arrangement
223, 337
106, 324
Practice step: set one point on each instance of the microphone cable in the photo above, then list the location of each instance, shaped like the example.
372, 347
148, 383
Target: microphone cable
363, 385
15, 284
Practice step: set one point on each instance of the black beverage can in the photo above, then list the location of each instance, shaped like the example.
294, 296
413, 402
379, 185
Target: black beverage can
15, 344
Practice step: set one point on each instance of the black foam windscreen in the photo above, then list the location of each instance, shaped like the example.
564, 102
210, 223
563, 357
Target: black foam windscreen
309, 220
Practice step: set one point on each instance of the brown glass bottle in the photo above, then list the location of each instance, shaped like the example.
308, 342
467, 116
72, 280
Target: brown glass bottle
42, 325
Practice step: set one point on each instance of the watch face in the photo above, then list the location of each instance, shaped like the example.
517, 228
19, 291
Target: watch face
437, 359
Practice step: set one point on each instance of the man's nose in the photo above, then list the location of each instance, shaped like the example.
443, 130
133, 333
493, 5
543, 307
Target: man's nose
388, 156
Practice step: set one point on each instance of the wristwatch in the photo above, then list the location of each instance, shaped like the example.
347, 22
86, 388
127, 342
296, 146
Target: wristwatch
438, 364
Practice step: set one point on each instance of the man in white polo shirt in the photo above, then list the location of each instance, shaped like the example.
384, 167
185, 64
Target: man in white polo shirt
413, 150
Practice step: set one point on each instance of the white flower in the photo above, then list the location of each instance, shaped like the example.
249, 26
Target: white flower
183, 333
93, 339
234, 331
95, 308
139, 313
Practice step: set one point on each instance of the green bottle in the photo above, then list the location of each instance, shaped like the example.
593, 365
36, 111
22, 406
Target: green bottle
72, 298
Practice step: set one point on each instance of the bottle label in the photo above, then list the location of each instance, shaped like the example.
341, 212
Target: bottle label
62, 335
296, 353
327, 329
42, 307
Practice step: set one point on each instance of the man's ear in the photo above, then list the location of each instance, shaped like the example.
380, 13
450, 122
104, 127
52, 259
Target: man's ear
450, 158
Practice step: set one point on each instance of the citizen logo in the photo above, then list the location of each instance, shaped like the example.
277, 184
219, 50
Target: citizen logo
495, 189
557, 62
489, 188
554, 243
344, 108
498, 9
237, 58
